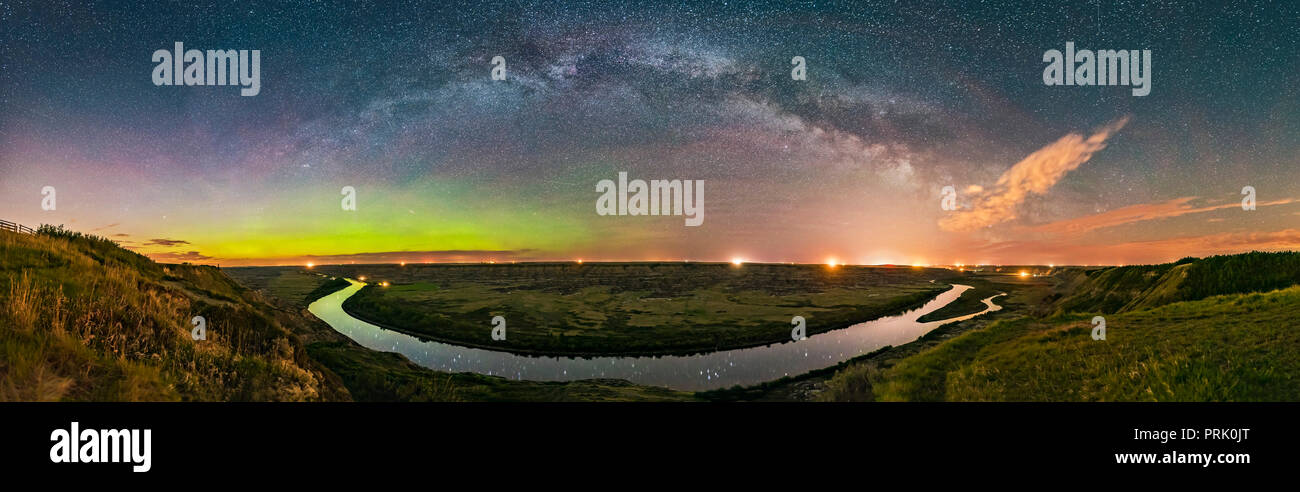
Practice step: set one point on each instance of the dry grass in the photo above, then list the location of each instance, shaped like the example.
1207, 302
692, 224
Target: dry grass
82, 319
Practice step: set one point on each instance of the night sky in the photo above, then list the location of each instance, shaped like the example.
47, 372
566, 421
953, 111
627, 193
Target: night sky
900, 101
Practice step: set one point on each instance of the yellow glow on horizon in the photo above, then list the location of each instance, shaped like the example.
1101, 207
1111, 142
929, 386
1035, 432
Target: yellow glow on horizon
1024, 273
310, 264
832, 263
737, 261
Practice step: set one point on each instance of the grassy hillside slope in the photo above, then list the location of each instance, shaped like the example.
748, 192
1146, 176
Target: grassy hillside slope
83, 319
1119, 289
1159, 347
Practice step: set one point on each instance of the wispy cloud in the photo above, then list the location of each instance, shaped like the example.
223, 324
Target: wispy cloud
1034, 175
179, 257
165, 242
1139, 213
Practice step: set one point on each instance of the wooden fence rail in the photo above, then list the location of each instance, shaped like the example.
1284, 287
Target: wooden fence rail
15, 227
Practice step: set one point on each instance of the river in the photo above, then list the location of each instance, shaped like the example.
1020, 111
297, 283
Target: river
713, 370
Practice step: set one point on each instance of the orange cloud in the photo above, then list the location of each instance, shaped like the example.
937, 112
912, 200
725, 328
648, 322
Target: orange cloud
1138, 213
1036, 174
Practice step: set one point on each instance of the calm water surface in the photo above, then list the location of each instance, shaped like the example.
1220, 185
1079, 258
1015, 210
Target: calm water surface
692, 373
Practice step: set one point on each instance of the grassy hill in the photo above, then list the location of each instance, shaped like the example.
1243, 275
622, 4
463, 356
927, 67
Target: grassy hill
1169, 338
1128, 288
83, 319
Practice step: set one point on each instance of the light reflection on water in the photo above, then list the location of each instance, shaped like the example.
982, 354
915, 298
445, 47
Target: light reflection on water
713, 370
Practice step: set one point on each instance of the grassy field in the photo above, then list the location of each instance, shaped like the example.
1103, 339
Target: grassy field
1234, 347
1030, 291
293, 285
621, 308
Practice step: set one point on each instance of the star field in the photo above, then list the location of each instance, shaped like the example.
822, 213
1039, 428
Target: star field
901, 100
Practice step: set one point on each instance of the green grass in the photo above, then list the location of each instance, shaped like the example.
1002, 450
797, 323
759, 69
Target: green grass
988, 285
1211, 329
1118, 289
383, 376
1228, 348
294, 285
630, 308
